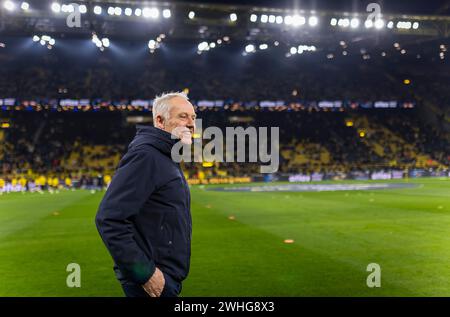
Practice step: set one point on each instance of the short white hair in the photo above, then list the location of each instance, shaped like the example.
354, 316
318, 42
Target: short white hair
161, 104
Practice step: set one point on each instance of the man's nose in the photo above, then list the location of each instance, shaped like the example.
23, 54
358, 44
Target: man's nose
191, 123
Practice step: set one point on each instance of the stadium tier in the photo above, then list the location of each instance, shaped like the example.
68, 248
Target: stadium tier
351, 100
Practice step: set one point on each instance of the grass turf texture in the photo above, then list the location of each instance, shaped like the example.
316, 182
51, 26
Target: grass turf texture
336, 235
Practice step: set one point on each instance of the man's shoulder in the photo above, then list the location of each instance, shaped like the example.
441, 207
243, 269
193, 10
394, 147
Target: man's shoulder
147, 152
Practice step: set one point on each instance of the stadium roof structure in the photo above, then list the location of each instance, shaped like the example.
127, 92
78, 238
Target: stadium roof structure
316, 24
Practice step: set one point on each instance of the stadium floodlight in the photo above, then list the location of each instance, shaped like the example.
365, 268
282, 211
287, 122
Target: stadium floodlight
272, 18
138, 12
293, 50
191, 15
288, 20
404, 25
36, 38
313, 21
354, 23
52, 42
56, 7
128, 12
25, 6
166, 13
390, 25
98, 10
42, 42
212, 45
105, 42
111, 11
146, 12
415, 25
279, 19
368, 24
298, 20
250, 48
233, 17
253, 18
152, 44
118, 11
9, 5
263, 46
344, 22
154, 13
264, 18
82, 8
333, 22
203, 46
379, 24
305, 48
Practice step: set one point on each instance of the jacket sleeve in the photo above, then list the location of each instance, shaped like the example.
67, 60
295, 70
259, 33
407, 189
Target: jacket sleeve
130, 187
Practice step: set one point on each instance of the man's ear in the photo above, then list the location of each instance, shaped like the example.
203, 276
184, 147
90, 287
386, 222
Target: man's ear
159, 122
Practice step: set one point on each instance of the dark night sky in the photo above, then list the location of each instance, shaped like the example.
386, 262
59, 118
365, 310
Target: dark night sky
390, 6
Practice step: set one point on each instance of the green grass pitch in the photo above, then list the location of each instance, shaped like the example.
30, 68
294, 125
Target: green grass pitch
336, 235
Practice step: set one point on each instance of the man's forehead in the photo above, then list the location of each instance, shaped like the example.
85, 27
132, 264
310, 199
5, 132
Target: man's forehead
179, 104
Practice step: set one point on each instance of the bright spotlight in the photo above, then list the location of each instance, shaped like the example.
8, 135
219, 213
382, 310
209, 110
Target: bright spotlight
98, 10
154, 13
293, 50
345, 22
233, 17
379, 24
118, 11
9, 5
36, 38
272, 18
298, 20
263, 46
146, 12
368, 24
279, 19
56, 7
191, 15
203, 46
264, 18
333, 22
111, 11
313, 21
52, 42
250, 48
253, 18
82, 8
25, 6
354, 23
105, 42
138, 12
415, 25
128, 12
390, 24
166, 13
288, 20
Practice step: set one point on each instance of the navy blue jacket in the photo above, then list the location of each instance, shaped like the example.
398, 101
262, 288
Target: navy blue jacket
144, 218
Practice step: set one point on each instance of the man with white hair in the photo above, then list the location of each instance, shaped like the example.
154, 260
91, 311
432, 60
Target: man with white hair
144, 218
